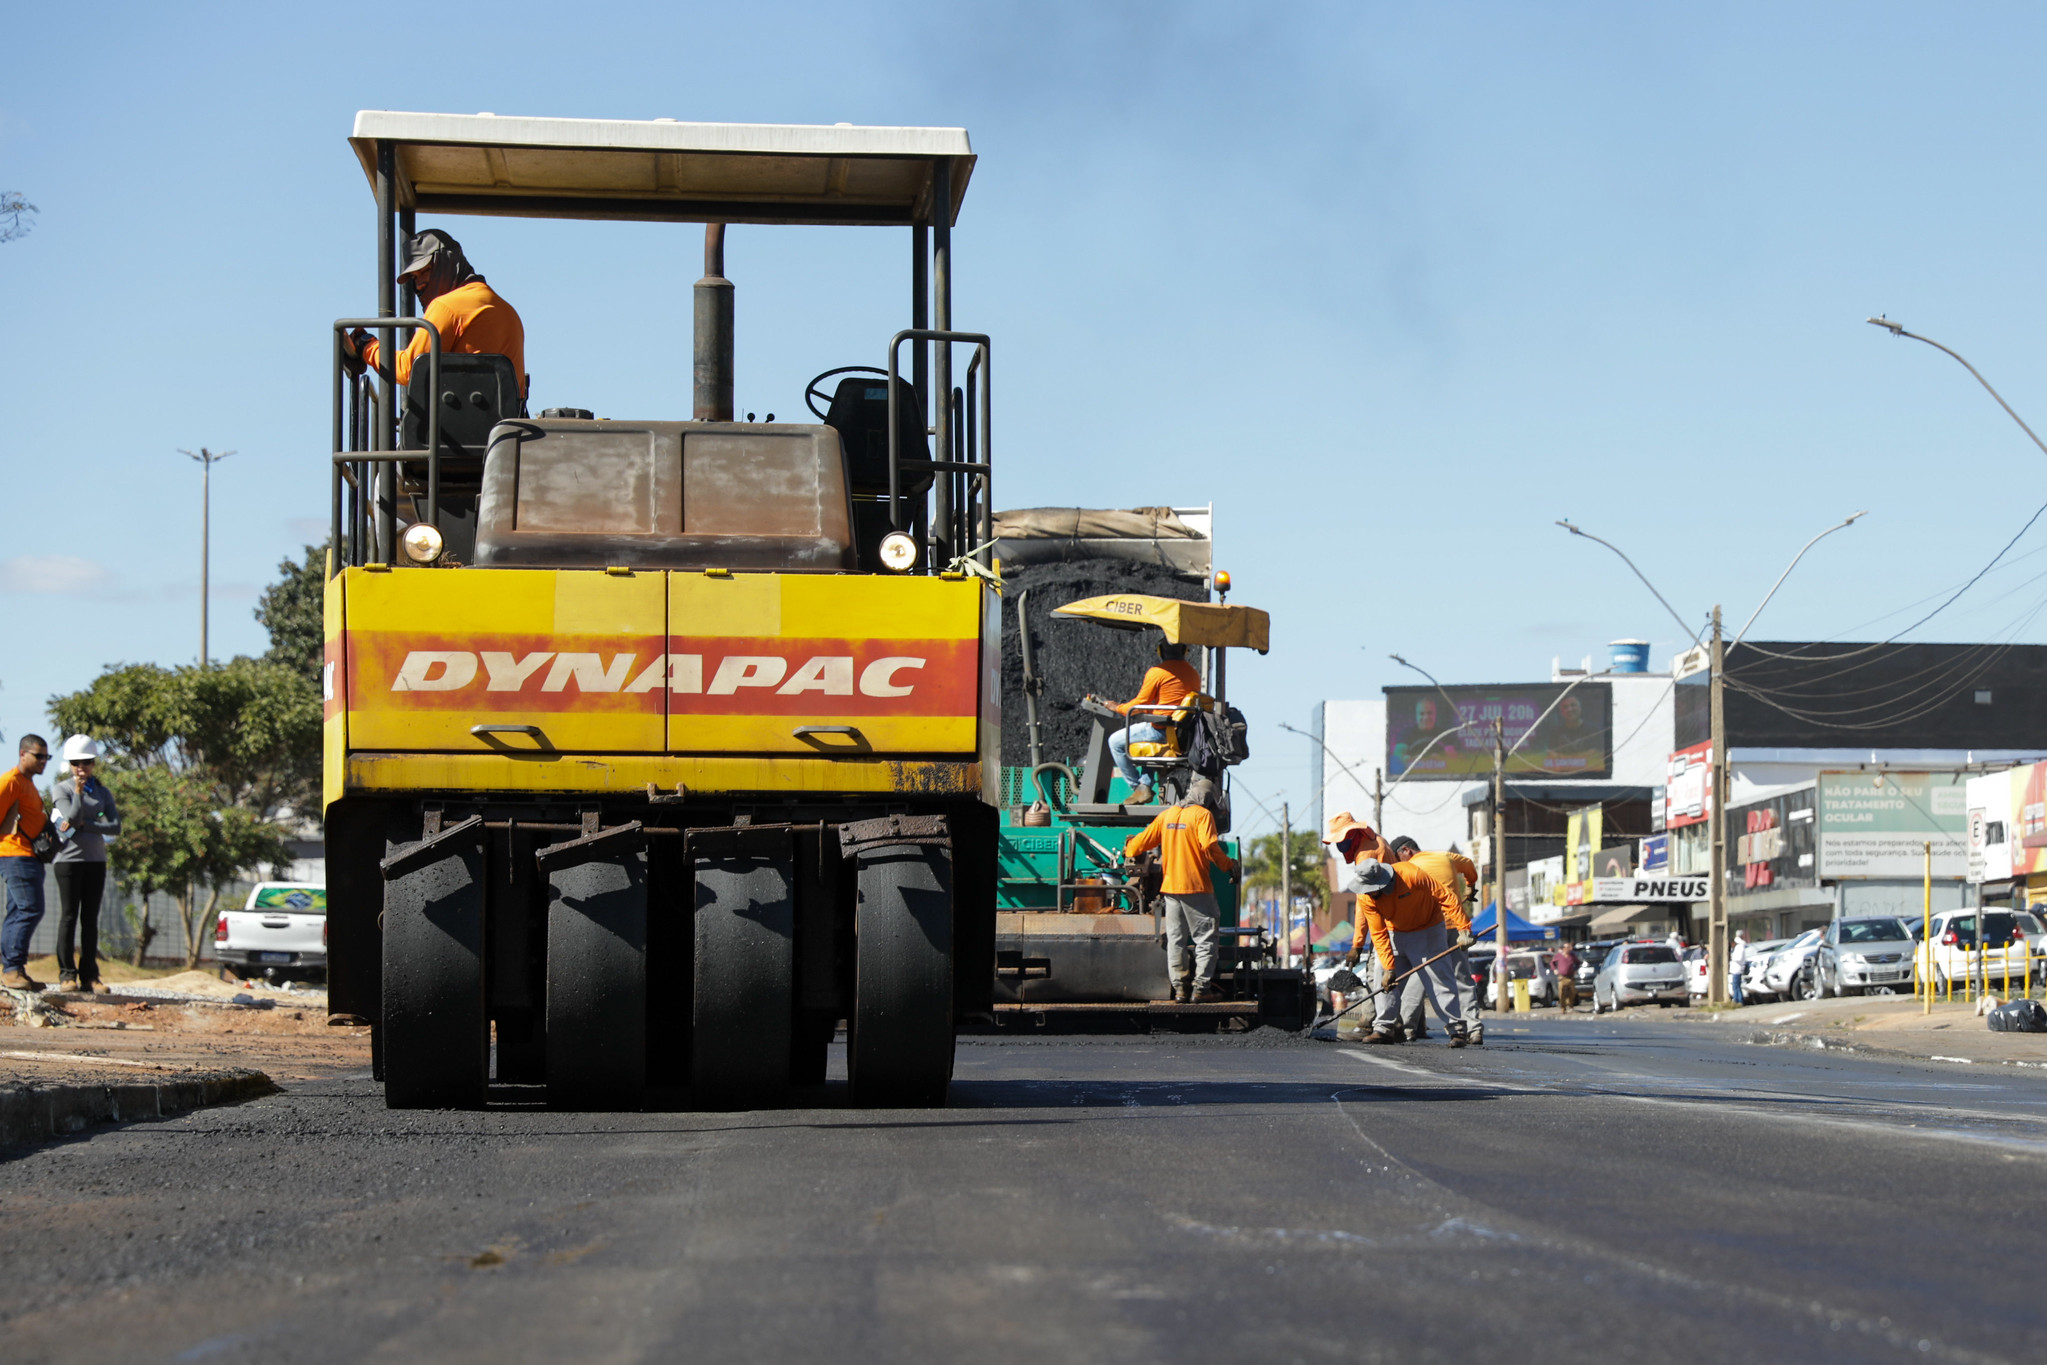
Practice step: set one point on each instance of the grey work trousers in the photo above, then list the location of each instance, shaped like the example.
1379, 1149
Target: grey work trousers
1190, 925
1409, 951
1412, 996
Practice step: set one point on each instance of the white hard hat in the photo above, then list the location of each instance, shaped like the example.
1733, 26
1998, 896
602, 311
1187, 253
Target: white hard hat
80, 746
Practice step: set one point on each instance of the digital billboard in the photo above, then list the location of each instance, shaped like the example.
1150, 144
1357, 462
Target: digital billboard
1447, 733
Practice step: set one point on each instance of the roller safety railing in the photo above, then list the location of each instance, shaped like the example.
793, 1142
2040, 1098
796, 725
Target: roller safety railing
357, 431
966, 515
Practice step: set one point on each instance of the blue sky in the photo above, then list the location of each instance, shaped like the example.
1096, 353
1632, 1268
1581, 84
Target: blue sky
1394, 286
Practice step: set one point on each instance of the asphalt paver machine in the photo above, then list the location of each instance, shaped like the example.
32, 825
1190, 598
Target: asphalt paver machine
655, 748
1079, 943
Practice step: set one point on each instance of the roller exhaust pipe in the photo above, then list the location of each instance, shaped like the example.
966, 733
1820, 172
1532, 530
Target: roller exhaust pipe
713, 336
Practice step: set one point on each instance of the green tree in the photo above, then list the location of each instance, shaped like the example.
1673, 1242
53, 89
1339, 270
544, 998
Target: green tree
208, 764
292, 610
1262, 866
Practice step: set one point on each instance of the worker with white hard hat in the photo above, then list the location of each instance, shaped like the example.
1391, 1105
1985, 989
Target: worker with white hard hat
86, 816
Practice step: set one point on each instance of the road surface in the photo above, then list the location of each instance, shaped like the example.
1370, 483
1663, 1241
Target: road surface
1584, 1190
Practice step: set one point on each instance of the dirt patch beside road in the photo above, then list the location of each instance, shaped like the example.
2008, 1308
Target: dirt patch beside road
91, 1039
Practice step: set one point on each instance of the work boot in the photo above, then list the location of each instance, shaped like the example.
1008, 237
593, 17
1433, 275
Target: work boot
1458, 1038
1141, 797
15, 979
1183, 991
67, 981
100, 987
1476, 1034
1379, 1038
1207, 995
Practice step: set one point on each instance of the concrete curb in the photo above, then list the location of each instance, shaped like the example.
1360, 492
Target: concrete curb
32, 1113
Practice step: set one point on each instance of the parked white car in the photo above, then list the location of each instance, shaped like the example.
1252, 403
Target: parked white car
1789, 970
1753, 989
280, 931
1533, 968
2012, 939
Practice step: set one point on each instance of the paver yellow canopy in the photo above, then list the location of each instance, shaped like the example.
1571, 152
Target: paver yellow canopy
626, 716
1209, 624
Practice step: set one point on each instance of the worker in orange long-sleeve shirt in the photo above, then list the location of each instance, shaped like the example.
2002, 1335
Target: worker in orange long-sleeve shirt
1408, 916
1460, 874
1167, 683
471, 317
1188, 846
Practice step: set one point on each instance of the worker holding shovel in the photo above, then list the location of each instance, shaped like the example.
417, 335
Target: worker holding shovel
1409, 917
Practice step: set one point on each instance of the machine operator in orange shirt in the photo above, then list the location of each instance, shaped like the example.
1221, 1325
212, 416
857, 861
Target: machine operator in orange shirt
1188, 845
1167, 683
470, 316
1409, 917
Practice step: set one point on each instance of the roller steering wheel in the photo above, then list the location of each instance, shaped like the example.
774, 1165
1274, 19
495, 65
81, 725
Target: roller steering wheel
811, 391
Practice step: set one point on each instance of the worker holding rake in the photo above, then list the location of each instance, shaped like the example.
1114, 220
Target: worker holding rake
1409, 917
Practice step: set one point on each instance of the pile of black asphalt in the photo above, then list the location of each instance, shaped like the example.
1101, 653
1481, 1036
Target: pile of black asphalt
1574, 1190
1074, 657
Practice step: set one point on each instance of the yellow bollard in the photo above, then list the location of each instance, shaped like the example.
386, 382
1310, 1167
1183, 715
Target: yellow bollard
1521, 1004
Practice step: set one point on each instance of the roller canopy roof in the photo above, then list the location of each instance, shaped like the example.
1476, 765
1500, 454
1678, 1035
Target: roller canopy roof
1184, 623
663, 171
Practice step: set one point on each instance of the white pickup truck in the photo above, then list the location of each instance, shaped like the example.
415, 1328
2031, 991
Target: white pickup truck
281, 931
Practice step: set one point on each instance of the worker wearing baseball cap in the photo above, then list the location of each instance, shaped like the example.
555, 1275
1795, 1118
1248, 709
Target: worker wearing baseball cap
1408, 915
1351, 839
471, 317
1188, 846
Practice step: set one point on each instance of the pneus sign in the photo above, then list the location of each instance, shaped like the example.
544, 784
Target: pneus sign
1648, 890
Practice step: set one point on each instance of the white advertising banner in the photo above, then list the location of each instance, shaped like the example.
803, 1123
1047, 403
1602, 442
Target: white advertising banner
1878, 824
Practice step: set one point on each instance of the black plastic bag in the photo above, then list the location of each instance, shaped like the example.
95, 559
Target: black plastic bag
2020, 1016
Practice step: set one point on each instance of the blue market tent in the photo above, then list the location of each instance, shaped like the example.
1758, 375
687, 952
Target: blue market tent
1519, 930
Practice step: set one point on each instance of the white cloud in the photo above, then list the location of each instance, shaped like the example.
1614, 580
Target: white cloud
54, 574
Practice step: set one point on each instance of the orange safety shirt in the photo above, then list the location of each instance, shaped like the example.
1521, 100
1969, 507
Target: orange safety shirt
1453, 870
21, 814
1414, 901
1168, 683
1187, 842
473, 321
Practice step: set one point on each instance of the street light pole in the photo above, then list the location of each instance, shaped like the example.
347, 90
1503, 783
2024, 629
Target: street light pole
1716, 808
1286, 883
1497, 846
207, 459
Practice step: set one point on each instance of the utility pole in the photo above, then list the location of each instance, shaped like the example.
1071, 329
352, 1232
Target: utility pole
1379, 800
1716, 808
1497, 845
207, 459
1286, 885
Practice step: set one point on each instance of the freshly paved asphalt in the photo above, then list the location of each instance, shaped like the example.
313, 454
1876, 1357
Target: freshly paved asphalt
1632, 1190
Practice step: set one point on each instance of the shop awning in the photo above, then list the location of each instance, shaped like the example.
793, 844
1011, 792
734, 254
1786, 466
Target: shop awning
1621, 916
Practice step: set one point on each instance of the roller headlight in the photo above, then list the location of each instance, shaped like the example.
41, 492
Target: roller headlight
423, 543
898, 552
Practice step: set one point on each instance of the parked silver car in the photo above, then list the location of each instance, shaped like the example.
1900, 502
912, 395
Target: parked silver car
1858, 955
1634, 973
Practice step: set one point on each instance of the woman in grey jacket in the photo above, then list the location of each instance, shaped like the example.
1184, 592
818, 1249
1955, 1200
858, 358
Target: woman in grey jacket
86, 815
